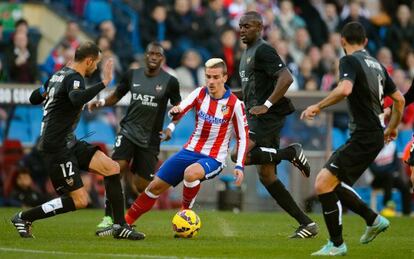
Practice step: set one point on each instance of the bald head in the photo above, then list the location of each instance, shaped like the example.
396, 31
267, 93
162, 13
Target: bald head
251, 26
253, 16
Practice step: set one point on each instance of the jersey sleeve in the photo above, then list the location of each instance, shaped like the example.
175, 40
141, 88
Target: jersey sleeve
174, 91
37, 96
268, 60
187, 104
241, 129
124, 85
389, 86
347, 70
77, 93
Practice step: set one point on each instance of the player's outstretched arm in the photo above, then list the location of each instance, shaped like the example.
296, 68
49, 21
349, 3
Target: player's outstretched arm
343, 89
391, 131
110, 100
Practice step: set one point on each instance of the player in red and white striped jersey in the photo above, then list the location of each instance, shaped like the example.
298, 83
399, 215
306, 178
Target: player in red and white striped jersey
218, 114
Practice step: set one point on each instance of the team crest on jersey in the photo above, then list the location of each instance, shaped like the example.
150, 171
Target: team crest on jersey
158, 88
76, 84
225, 110
69, 181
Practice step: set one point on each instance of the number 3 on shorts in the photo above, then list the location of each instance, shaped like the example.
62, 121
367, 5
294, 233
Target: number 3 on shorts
118, 140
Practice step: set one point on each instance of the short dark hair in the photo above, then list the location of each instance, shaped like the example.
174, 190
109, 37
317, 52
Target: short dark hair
154, 44
85, 50
255, 16
354, 33
20, 22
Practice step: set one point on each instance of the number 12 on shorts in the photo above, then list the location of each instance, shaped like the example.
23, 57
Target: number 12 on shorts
69, 167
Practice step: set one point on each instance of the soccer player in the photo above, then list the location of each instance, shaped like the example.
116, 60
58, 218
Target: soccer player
141, 129
364, 82
265, 80
218, 114
65, 95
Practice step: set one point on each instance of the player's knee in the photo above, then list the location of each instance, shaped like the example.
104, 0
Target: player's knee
191, 175
111, 167
320, 186
266, 178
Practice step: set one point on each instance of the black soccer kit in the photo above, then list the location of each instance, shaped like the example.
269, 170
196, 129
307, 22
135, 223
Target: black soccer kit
259, 67
371, 83
409, 99
64, 155
139, 137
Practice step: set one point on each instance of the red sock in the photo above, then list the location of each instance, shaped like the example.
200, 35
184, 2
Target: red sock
190, 191
141, 205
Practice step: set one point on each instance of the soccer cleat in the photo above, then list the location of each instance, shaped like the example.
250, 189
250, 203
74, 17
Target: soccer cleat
371, 232
299, 160
106, 222
330, 250
103, 232
126, 232
306, 231
22, 226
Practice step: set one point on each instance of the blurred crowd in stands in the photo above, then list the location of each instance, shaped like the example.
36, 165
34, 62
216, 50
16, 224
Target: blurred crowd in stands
306, 34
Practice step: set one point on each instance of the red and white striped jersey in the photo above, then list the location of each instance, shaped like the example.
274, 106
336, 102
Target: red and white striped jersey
216, 120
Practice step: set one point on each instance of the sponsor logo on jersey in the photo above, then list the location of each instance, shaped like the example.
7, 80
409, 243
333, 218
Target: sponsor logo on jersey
56, 78
76, 84
158, 88
136, 85
146, 99
211, 119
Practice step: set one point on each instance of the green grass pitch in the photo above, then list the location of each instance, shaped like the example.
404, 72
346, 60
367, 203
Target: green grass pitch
222, 235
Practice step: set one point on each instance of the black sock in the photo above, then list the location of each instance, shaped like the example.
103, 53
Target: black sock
49, 209
115, 196
351, 200
285, 200
332, 212
108, 208
262, 155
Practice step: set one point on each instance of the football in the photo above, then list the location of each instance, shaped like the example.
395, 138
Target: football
186, 223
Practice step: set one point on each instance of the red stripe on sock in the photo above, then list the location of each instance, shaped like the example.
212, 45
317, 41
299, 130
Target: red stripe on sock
141, 205
188, 195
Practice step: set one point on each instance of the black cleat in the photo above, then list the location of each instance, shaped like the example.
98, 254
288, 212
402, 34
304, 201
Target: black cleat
126, 232
22, 226
306, 231
299, 160
103, 232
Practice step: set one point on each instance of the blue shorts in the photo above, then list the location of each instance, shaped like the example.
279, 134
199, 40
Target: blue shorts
172, 170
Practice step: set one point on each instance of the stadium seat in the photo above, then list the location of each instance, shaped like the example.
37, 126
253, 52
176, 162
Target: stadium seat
97, 11
182, 132
102, 132
20, 130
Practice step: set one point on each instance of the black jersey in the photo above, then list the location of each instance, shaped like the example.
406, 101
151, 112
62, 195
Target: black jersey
60, 115
371, 83
149, 96
258, 70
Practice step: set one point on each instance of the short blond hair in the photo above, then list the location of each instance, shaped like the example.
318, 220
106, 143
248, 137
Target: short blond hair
216, 63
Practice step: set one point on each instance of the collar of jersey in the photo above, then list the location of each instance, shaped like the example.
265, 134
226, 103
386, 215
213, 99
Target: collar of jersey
226, 94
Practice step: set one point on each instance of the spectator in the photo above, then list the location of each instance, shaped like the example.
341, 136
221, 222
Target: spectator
190, 74
25, 193
283, 51
386, 170
217, 18
121, 47
299, 47
384, 56
230, 53
155, 28
330, 16
288, 21
71, 35
306, 74
57, 59
21, 60
409, 64
236, 9
400, 36
314, 55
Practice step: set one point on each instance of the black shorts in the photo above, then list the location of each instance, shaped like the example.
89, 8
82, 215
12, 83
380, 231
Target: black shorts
144, 160
64, 167
264, 130
350, 160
